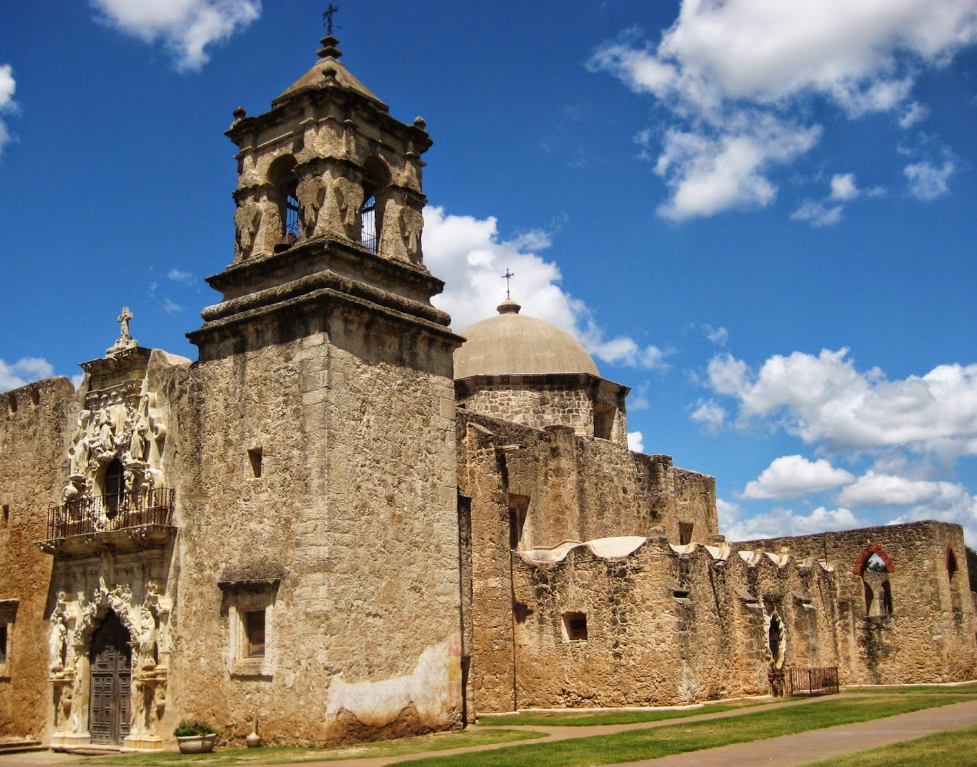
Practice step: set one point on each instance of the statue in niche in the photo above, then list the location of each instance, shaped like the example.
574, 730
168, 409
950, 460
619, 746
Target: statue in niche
104, 442
247, 219
59, 634
347, 200
146, 642
80, 453
138, 441
411, 224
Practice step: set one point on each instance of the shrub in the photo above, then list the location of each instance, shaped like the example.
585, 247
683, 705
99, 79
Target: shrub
190, 727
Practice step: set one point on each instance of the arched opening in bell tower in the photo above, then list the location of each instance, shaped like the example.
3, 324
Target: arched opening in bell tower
376, 185
281, 175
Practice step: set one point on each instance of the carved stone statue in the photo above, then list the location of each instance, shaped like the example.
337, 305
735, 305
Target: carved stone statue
347, 199
312, 193
59, 633
411, 224
247, 219
270, 229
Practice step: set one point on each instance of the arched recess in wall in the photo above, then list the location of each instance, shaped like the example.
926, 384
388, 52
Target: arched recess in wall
953, 574
873, 567
376, 191
284, 194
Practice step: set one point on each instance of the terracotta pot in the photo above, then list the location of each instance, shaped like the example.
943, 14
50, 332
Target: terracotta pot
196, 744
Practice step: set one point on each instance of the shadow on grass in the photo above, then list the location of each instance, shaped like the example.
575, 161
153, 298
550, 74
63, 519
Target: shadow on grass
420, 744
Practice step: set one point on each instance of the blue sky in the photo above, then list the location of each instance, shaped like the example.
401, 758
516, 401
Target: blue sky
759, 214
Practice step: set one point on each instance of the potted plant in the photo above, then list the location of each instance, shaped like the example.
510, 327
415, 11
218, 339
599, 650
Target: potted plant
195, 737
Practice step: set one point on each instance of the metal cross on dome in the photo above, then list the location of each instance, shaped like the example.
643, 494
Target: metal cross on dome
507, 276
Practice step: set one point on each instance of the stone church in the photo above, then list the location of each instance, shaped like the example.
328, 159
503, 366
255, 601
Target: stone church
348, 522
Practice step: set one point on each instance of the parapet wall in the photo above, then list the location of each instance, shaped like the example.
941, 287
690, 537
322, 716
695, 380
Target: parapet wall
664, 624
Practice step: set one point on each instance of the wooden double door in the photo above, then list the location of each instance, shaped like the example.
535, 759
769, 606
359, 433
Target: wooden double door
111, 683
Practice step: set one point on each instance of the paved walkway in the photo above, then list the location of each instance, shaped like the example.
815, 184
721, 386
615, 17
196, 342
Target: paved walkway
784, 751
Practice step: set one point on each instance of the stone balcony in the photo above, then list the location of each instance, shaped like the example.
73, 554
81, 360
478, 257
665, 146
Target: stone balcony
125, 521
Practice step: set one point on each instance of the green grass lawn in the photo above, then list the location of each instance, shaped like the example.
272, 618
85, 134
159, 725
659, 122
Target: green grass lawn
246, 756
756, 723
597, 718
943, 749
680, 738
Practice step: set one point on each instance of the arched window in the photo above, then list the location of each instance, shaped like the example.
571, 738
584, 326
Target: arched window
874, 566
376, 187
113, 487
368, 229
281, 174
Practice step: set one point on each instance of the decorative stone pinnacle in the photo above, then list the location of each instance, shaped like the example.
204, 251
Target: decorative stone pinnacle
329, 49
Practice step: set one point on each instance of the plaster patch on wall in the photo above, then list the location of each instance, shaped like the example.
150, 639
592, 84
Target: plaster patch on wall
614, 548
431, 688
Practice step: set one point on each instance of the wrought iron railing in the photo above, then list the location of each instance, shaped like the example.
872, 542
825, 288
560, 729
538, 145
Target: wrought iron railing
812, 681
104, 513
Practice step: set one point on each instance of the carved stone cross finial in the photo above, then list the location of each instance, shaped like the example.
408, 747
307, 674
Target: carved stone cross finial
125, 340
327, 18
123, 321
507, 276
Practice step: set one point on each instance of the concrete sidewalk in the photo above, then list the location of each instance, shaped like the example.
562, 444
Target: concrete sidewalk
775, 752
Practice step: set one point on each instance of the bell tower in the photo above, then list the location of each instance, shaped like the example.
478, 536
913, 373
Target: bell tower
328, 160
324, 454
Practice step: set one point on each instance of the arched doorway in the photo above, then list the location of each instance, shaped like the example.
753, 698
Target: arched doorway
111, 682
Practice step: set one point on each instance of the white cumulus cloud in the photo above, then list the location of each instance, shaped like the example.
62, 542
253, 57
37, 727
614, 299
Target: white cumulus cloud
782, 522
793, 475
843, 186
636, 442
23, 371
186, 27
926, 181
711, 415
826, 399
730, 71
892, 490
468, 254
817, 214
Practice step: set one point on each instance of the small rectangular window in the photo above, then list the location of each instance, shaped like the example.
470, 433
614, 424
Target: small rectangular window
575, 626
6, 513
3, 643
254, 457
684, 533
254, 630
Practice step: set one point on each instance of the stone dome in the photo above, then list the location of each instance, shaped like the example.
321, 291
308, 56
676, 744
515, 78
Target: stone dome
512, 344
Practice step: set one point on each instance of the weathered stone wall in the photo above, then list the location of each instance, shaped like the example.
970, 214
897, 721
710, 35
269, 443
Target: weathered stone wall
33, 467
665, 624
535, 489
350, 534
536, 406
929, 635
556, 399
